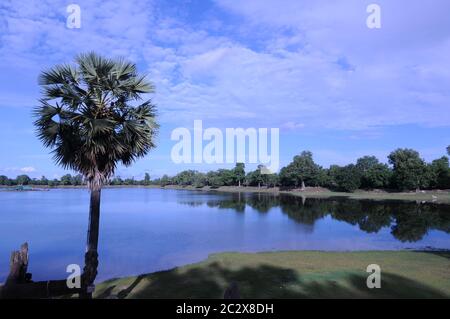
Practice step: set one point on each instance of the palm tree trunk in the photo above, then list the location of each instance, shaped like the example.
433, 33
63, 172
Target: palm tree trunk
91, 256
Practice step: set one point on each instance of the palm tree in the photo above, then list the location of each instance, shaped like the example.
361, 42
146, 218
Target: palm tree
93, 118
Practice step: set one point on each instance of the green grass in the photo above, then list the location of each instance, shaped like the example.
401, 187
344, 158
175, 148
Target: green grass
297, 274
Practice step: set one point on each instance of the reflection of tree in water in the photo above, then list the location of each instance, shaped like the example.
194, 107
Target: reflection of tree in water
302, 210
413, 221
191, 203
235, 201
408, 221
370, 217
262, 203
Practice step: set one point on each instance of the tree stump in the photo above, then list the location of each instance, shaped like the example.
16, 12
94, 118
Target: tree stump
19, 285
18, 267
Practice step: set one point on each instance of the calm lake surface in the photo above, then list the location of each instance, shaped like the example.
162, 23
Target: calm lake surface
144, 230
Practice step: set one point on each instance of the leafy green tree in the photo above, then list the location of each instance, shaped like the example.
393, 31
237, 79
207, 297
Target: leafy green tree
253, 178
227, 177
199, 180
117, 181
288, 176
147, 179
23, 180
410, 171
92, 116
4, 180
302, 171
77, 180
185, 178
165, 180
214, 180
53, 182
448, 150
257, 177
373, 173
440, 173
129, 181
272, 180
43, 181
239, 173
347, 178
66, 180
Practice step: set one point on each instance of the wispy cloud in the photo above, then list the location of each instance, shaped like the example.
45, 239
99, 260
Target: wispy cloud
309, 62
307, 67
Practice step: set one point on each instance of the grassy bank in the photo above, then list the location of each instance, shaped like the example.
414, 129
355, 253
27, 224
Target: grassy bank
300, 274
442, 197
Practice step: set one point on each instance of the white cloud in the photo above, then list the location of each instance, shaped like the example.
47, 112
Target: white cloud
296, 62
28, 169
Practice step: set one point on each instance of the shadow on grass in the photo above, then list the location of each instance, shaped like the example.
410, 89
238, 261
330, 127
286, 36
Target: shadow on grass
440, 253
267, 282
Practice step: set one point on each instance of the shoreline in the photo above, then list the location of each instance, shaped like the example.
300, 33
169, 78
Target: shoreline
437, 197
434, 196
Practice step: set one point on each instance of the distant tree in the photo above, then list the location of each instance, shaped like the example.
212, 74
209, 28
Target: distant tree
347, 178
199, 180
54, 182
66, 180
373, 173
448, 150
165, 180
251, 178
227, 177
257, 177
184, 178
302, 171
116, 181
272, 180
129, 181
43, 181
440, 173
23, 180
147, 179
288, 176
409, 170
239, 173
4, 180
214, 180
77, 180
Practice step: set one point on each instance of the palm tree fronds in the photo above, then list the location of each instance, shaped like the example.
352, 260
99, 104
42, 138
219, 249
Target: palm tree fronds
86, 117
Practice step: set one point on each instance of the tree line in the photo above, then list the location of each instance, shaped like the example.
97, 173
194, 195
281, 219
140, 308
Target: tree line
67, 180
406, 171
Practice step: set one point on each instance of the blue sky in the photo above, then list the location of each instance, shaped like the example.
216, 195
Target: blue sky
311, 68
